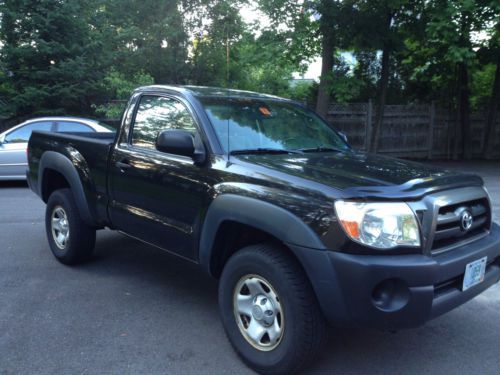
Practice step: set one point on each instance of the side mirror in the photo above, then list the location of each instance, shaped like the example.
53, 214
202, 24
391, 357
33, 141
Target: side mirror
344, 137
180, 142
2, 139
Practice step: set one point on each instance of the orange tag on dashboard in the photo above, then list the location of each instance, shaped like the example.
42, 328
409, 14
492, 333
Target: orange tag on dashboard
264, 111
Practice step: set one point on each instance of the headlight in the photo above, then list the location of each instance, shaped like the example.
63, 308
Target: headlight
380, 225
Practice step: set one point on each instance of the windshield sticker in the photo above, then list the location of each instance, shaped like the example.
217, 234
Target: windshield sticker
265, 111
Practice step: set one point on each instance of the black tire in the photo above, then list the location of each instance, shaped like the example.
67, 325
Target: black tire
304, 325
81, 238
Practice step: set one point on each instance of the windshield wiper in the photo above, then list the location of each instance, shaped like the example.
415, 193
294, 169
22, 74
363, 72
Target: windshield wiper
321, 149
263, 151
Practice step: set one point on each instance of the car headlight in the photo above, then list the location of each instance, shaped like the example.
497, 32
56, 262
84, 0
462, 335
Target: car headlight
382, 225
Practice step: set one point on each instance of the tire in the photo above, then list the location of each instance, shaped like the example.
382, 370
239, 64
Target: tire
70, 239
295, 311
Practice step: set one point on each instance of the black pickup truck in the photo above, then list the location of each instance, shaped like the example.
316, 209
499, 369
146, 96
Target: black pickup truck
299, 228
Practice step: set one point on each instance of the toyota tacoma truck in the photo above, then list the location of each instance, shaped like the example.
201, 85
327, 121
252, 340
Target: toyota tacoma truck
263, 194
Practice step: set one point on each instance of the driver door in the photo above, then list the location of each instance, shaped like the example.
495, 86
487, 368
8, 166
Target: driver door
158, 197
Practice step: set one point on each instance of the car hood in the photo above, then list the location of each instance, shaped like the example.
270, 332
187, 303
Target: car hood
359, 174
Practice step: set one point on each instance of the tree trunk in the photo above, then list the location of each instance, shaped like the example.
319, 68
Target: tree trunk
464, 110
463, 101
383, 84
489, 132
379, 116
327, 49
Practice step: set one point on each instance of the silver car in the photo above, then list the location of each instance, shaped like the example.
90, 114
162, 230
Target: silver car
13, 142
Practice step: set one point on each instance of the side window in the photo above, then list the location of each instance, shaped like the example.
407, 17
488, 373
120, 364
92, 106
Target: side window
155, 114
23, 133
71, 126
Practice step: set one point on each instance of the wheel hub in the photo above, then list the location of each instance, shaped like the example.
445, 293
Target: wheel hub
258, 312
59, 227
263, 310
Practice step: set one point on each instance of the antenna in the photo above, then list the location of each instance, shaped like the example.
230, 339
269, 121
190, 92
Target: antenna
228, 118
227, 59
227, 92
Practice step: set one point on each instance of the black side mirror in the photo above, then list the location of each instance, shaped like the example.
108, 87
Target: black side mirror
180, 142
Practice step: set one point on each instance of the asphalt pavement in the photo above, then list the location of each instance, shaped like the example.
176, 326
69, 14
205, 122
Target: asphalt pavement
134, 309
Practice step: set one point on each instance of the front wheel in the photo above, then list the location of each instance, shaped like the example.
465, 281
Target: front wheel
70, 239
269, 310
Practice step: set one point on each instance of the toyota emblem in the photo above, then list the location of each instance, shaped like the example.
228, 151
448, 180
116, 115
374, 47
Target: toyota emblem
466, 220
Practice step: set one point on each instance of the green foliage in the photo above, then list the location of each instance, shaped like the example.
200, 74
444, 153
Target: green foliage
50, 55
344, 85
147, 35
257, 65
220, 28
6, 109
448, 33
81, 57
119, 88
482, 81
304, 92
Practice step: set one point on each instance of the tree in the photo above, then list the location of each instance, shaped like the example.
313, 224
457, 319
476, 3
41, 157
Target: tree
493, 54
308, 28
118, 88
69, 56
6, 108
51, 57
148, 35
491, 115
378, 27
327, 10
216, 26
444, 57
261, 64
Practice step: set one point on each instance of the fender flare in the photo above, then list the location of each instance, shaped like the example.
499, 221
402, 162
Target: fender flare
259, 214
60, 163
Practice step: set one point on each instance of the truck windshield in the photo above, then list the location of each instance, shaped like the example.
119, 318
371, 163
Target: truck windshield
257, 125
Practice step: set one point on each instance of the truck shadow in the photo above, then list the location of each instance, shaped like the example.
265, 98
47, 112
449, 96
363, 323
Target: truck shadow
118, 256
13, 184
142, 258
440, 346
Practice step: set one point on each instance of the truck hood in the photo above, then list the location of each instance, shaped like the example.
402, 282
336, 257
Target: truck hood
362, 175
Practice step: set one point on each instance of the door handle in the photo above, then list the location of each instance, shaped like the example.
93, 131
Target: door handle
124, 164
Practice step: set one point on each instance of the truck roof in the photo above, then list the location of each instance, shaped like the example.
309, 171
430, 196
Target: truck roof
213, 92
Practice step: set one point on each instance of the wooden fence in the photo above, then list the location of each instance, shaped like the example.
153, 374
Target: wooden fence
412, 131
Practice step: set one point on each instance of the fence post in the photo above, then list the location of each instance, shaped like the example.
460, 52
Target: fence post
432, 120
368, 125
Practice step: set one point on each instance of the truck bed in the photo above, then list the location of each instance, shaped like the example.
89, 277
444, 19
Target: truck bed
94, 137
90, 145
88, 151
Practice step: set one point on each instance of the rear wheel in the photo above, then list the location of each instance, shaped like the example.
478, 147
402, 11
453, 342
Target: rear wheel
269, 310
70, 239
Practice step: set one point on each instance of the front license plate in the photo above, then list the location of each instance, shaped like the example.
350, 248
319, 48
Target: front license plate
474, 273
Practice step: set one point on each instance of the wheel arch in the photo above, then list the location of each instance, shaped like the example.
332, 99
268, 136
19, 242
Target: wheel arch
268, 221
61, 169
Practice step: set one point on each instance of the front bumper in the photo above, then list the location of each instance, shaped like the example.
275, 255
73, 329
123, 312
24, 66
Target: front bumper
396, 291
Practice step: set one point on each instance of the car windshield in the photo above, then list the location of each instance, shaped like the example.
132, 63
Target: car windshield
257, 125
